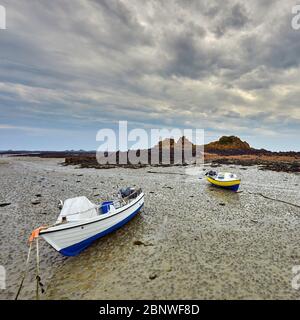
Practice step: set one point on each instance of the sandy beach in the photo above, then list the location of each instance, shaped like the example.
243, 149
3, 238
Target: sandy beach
191, 241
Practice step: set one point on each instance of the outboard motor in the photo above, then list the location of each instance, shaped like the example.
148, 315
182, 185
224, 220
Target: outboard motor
211, 173
126, 192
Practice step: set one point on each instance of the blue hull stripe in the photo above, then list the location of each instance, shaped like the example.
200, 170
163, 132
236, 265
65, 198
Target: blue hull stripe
78, 247
233, 188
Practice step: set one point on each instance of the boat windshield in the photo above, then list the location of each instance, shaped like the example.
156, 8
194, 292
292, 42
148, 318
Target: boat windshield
77, 209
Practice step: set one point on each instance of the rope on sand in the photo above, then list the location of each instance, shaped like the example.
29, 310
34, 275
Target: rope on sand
278, 200
25, 271
34, 235
37, 269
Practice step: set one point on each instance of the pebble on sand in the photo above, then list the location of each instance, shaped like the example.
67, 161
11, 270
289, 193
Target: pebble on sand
152, 276
35, 202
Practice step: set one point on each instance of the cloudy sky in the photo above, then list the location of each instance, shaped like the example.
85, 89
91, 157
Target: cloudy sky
71, 67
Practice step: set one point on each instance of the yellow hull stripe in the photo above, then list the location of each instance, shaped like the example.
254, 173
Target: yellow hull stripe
223, 183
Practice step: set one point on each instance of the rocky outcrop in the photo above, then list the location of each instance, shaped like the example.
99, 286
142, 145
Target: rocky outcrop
181, 143
228, 145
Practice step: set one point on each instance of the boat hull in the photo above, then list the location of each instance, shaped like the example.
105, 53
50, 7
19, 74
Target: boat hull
229, 185
71, 240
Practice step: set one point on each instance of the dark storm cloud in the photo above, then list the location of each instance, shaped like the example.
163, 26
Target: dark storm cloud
228, 65
236, 18
187, 58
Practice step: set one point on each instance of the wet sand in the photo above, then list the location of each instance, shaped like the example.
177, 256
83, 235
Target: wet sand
191, 241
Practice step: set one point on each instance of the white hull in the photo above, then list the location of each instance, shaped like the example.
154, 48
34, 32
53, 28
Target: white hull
72, 237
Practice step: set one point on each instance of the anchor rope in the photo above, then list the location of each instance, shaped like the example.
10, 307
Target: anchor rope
278, 200
25, 271
34, 235
37, 269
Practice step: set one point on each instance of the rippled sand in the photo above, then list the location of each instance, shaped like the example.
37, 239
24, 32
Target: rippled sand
191, 241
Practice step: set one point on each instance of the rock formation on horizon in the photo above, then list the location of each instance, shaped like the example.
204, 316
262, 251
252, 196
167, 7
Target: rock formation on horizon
170, 143
227, 143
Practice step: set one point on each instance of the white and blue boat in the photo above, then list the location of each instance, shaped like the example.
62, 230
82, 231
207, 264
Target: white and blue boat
225, 180
81, 222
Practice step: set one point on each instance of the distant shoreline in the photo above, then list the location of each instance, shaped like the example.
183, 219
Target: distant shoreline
230, 150
274, 162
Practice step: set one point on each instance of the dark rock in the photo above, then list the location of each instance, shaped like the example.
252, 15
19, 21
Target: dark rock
153, 276
141, 243
222, 204
38, 195
138, 243
215, 165
35, 202
5, 204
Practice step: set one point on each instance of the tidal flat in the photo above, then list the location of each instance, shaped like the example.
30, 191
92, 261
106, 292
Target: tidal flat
191, 240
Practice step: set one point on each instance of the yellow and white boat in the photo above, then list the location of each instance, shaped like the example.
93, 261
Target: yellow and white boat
226, 180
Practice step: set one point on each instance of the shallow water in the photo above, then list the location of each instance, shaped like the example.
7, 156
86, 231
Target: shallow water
195, 241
